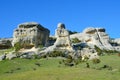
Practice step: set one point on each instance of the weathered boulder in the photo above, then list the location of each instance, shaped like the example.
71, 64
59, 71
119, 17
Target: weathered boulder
93, 56
116, 44
94, 36
28, 55
10, 55
89, 30
30, 35
63, 38
2, 57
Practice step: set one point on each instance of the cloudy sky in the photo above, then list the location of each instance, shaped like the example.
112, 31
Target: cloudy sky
75, 14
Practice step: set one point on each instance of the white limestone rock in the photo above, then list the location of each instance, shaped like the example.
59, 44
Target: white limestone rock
63, 38
94, 36
93, 56
30, 34
10, 55
2, 57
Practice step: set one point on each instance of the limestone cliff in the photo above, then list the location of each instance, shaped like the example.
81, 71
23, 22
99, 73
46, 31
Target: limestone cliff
30, 34
94, 36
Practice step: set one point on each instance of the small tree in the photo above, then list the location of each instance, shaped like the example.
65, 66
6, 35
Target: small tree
95, 61
17, 46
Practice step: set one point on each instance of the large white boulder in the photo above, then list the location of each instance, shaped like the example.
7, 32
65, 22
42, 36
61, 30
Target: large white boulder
94, 36
10, 55
2, 57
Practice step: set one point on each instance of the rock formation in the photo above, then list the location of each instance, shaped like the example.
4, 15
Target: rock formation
63, 37
94, 36
116, 43
62, 40
5, 43
30, 35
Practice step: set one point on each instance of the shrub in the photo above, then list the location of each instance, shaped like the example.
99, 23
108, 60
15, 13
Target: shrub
70, 61
17, 46
62, 45
41, 46
119, 54
99, 51
72, 32
52, 39
95, 60
75, 40
56, 54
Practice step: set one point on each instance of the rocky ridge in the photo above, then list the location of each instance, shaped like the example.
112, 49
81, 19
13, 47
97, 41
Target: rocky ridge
78, 44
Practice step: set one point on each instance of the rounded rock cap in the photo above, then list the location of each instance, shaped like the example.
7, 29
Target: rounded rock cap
61, 25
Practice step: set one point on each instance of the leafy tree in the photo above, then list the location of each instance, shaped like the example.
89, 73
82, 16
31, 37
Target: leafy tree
17, 46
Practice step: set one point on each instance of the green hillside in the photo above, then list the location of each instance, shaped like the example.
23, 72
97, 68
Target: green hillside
51, 69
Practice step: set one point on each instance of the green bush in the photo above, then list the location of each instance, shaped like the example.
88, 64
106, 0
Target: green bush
72, 32
119, 54
52, 39
99, 51
62, 45
75, 40
56, 54
71, 61
41, 46
17, 46
95, 61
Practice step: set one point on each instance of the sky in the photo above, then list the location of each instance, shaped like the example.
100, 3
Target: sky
75, 14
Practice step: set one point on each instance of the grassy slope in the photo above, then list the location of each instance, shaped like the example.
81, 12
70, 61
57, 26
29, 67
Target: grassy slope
24, 69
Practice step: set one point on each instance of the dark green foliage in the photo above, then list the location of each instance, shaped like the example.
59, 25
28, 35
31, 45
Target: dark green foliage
119, 54
72, 32
17, 46
105, 67
37, 64
110, 51
68, 61
71, 61
87, 65
52, 39
99, 51
56, 54
62, 45
41, 46
75, 40
95, 61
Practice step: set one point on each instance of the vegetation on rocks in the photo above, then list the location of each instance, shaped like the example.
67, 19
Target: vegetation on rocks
75, 40
96, 61
56, 53
17, 46
99, 51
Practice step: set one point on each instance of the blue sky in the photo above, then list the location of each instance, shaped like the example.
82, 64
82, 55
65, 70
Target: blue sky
75, 14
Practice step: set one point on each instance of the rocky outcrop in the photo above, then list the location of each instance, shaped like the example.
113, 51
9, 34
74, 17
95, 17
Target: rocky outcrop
62, 39
10, 55
94, 36
2, 57
116, 43
30, 35
5, 43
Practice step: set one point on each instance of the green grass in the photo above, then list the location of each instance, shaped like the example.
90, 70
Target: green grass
6, 50
25, 69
